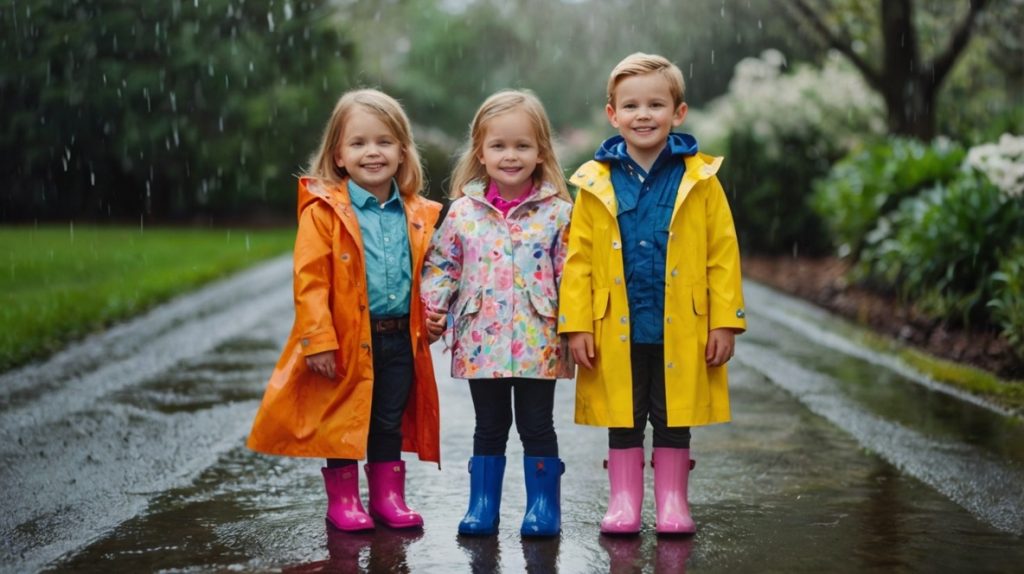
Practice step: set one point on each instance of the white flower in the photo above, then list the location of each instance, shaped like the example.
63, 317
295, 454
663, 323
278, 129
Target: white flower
1001, 162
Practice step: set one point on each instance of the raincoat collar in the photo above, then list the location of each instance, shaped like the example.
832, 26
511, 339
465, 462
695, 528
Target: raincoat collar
477, 191
594, 177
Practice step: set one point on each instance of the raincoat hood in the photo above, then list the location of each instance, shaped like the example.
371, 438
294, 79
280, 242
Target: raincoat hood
614, 148
477, 190
311, 190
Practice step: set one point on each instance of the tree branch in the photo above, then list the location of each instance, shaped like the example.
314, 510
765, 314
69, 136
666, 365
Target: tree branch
943, 62
837, 40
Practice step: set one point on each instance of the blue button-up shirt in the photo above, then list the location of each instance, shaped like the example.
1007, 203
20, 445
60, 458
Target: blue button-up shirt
645, 202
386, 250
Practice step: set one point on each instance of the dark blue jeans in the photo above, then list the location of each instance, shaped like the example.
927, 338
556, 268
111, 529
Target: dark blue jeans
534, 403
393, 374
649, 401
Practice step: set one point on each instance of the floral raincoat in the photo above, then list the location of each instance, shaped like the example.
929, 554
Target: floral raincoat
498, 278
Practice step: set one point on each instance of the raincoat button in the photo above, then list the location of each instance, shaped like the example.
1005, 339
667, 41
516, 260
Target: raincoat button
618, 280
675, 272
305, 342
562, 318
740, 313
615, 245
591, 182
624, 320
622, 337
364, 345
668, 319
344, 256
670, 365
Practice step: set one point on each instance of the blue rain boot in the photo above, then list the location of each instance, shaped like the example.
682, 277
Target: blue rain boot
543, 496
485, 476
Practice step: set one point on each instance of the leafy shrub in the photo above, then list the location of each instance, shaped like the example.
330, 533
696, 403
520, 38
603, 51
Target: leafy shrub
869, 184
940, 248
1007, 303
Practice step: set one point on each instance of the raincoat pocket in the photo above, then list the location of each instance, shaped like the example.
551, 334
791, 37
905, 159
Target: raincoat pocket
545, 307
600, 303
700, 299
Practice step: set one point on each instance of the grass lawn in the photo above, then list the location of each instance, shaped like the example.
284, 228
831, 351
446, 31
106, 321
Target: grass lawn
60, 283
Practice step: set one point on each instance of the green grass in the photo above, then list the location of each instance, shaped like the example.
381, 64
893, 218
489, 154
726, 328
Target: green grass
1008, 394
60, 283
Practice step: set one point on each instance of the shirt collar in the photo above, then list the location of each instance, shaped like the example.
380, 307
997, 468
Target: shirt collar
361, 198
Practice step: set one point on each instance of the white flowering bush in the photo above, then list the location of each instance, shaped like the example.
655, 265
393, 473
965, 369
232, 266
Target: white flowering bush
831, 109
781, 128
1002, 163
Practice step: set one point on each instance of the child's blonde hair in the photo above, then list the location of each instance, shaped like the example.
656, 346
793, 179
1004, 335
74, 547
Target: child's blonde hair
387, 109
469, 167
637, 64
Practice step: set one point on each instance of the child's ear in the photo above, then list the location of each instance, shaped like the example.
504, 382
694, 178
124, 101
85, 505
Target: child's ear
338, 161
609, 110
680, 115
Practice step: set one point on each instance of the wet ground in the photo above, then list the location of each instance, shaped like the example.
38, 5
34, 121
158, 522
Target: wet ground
126, 453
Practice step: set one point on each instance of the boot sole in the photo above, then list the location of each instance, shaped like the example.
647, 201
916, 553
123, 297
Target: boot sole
340, 529
379, 520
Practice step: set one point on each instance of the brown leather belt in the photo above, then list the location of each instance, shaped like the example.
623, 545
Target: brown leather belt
389, 325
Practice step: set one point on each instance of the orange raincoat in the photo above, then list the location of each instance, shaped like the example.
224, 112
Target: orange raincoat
304, 414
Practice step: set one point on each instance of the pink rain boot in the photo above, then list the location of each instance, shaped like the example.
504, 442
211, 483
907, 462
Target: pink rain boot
344, 509
625, 491
671, 474
387, 495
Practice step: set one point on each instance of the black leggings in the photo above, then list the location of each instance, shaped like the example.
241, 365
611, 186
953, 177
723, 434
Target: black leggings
534, 402
393, 373
649, 400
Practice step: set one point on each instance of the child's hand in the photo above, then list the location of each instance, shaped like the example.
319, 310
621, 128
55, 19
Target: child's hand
435, 325
582, 347
322, 364
721, 345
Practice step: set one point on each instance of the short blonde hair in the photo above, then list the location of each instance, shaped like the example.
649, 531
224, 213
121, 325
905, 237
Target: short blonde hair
637, 64
410, 172
469, 168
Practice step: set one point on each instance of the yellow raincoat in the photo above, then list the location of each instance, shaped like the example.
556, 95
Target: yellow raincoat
702, 292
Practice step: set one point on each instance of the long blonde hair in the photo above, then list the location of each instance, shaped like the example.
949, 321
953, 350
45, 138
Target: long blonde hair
469, 167
386, 109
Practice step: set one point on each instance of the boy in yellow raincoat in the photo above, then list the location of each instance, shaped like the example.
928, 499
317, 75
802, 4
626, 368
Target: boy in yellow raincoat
651, 292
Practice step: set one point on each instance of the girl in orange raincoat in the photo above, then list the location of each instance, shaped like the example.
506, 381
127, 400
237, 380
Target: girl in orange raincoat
355, 378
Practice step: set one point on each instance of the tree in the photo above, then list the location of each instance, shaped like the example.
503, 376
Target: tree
908, 82
163, 110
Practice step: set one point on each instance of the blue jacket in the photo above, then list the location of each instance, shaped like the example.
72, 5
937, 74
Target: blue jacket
645, 201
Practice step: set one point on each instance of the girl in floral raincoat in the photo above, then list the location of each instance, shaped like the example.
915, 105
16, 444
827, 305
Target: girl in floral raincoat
494, 267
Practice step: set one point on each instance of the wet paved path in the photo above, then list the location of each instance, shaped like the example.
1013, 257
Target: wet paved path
126, 453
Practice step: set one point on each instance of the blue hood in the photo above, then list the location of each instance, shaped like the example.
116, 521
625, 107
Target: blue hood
614, 148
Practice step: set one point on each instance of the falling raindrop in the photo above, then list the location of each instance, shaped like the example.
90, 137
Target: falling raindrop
72, 224
270, 22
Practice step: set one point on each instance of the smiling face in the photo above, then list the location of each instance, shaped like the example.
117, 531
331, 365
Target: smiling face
369, 151
644, 113
510, 152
